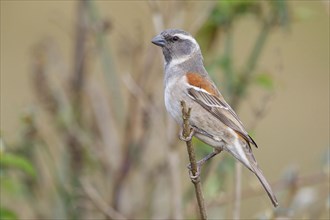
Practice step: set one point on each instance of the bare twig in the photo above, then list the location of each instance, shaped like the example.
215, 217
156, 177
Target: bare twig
251, 63
80, 49
174, 163
157, 16
238, 190
191, 152
99, 203
261, 111
202, 16
104, 120
104, 52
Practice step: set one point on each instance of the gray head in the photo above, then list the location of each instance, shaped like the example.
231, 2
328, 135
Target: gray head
177, 45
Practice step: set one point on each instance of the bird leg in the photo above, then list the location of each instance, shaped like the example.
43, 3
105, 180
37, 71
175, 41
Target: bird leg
201, 162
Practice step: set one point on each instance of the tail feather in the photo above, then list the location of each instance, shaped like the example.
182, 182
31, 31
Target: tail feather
246, 157
265, 184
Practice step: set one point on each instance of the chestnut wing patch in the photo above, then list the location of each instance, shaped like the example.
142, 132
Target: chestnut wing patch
197, 80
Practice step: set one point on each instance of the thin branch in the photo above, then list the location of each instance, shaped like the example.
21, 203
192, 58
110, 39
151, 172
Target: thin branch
99, 203
202, 16
228, 56
260, 112
103, 51
238, 190
80, 49
157, 16
176, 200
192, 158
244, 82
104, 121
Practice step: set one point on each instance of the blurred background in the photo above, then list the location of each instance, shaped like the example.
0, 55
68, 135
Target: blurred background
84, 132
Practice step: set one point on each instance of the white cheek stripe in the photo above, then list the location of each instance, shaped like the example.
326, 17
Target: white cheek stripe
187, 37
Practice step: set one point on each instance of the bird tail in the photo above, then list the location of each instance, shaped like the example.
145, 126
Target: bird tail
246, 157
265, 184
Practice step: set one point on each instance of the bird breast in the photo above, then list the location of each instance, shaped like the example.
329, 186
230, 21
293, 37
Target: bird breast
173, 95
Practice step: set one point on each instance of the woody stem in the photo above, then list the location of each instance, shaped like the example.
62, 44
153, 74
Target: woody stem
192, 158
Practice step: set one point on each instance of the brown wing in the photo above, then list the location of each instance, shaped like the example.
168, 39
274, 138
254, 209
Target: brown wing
217, 106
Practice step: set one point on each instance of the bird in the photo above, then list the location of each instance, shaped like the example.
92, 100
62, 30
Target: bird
212, 119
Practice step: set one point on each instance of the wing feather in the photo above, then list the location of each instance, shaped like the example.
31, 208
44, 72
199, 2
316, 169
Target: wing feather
221, 110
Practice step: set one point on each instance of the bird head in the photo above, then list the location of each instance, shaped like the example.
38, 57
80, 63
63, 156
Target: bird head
177, 45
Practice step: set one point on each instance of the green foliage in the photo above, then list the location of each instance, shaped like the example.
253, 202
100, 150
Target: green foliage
226, 11
265, 80
12, 186
212, 186
6, 214
8, 163
9, 160
201, 148
221, 18
280, 12
270, 14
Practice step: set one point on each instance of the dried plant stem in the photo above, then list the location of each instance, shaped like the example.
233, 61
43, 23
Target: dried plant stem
80, 52
251, 63
174, 162
192, 158
238, 190
99, 203
157, 16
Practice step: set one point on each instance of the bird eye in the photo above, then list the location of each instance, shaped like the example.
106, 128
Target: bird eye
175, 38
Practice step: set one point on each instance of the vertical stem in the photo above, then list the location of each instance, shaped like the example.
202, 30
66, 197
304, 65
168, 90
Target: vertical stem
228, 67
192, 158
174, 162
251, 63
112, 78
238, 190
80, 52
75, 148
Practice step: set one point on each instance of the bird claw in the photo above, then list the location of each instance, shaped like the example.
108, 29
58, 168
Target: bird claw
194, 177
183, 138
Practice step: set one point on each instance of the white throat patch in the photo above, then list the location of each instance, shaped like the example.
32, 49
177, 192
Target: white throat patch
175, 61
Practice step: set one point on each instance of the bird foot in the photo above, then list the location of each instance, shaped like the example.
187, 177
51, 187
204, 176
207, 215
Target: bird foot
195, 177
189, 137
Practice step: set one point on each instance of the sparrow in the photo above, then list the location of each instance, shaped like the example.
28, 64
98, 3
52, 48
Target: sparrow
212, 120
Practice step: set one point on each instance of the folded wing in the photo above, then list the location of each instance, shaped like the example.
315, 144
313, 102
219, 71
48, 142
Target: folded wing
218, 107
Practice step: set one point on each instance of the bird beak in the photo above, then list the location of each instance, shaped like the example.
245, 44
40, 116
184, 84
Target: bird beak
158, 40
